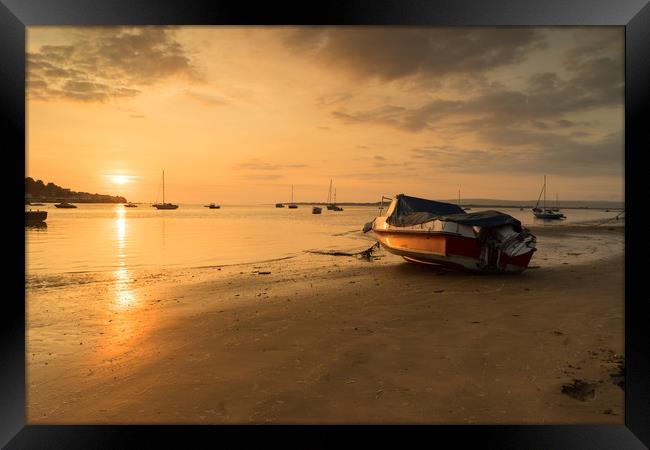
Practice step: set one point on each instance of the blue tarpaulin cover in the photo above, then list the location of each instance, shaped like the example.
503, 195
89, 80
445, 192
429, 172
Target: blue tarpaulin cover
414, 211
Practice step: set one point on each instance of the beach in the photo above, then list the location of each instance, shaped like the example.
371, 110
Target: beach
323, 339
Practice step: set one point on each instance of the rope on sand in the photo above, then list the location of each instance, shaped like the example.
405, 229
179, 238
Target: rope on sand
364, 254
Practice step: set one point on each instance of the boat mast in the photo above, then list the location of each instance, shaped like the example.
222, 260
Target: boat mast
292, 193
163, 186
545, 192
334, 195
329, 194
459, 196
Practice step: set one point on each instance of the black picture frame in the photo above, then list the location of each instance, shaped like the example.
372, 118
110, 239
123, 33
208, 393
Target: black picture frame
634, 15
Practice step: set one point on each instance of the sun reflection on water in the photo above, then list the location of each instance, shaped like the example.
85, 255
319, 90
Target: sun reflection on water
124, 295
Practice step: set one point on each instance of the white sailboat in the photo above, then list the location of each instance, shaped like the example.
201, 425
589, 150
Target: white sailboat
164, 205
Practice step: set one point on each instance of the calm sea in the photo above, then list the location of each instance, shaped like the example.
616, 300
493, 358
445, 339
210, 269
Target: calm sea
103, 237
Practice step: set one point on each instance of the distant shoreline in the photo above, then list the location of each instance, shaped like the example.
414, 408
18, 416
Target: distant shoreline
375, 204
72, 200
471, 205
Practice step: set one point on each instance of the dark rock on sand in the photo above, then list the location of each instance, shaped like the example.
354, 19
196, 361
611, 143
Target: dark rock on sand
580, 390
618, 377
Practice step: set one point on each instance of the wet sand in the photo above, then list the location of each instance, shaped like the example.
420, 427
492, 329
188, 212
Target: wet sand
337, 339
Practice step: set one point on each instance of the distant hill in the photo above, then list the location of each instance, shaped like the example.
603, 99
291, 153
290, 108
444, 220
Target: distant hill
50, 192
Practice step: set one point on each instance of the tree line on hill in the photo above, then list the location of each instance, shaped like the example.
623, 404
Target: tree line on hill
37, 190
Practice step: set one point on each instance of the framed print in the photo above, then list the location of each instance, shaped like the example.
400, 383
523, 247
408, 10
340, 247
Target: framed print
390, 218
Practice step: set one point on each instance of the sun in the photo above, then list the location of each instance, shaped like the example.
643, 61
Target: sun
120, 179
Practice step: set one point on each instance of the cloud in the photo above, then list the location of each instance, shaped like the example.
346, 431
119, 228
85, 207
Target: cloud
391, 53
542, 103
529, 152
262, 176
535, 128
256, 165
207, 98
105, 63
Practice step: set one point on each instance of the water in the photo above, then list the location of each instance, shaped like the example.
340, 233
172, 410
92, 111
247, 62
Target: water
105, 237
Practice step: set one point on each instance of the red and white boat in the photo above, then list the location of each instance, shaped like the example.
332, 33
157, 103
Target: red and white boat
440, 233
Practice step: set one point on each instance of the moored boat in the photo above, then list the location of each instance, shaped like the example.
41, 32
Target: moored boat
331, 200
432, 232
548, 214
292, 205
35, 216
130, 205
544, 212
279, 205
214, 206
316, 210
65, 205
164, 205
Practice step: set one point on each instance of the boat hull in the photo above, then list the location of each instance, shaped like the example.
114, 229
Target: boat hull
549, 215
451, 250
166, 206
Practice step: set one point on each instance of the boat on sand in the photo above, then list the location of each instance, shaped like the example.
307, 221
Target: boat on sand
431, 232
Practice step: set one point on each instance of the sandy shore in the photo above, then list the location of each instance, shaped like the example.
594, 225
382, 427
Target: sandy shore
335, 339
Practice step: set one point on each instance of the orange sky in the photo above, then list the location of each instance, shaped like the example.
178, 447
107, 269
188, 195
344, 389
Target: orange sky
239, 114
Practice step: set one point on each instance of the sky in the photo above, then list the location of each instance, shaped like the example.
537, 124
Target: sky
240, 114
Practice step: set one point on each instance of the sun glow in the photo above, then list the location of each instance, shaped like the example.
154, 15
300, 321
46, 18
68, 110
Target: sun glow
120, 179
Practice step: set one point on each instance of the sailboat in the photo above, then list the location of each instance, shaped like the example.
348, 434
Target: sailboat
331, 200
292, 205
164, 205
545, 213
465, 209
330, 205
336, 207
